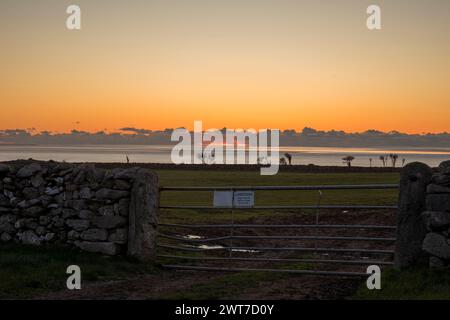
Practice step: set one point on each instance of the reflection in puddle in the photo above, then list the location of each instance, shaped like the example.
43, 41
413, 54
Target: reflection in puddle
192, 236
211, 246
208, 246
216, 247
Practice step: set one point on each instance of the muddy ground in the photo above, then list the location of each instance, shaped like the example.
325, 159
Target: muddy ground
167, 283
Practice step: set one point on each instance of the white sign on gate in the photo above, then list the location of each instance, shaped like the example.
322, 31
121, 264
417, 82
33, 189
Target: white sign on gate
240, 199
223, 199
244, 199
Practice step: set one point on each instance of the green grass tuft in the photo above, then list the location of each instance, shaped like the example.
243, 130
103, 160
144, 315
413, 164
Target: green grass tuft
417, 284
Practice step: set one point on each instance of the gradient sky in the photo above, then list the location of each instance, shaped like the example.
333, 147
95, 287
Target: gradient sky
231, 63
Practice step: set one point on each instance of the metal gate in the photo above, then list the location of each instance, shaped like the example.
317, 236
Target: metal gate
241, 246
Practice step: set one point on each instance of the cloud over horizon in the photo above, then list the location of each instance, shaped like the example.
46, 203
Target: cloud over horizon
307, 137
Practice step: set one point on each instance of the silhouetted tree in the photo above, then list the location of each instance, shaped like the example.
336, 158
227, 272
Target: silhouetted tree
393, 158
383, 159
283, 161
348, 160
403, 162
370, 161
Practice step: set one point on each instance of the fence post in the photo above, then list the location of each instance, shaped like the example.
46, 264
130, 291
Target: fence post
143, 215
411, 229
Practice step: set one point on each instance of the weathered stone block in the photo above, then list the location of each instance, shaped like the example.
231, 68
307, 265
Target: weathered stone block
73, 235
436, 220
30, 193
20, 224
8, 218
436, 263
53, 191
34, 211
441, 179
94, 235
436, 188
78, 224
58, 222
438, 202
31, 223
106, 211
49, 236
5, 237
29, 237
436, 245
122, 185
68, 213
29, 170
85, 214
444, 167
37, 181
124, 207
110, 194
76, 204
40, 230
109, 222
44, 220
85, 193
28, 203
7, 227
119, 236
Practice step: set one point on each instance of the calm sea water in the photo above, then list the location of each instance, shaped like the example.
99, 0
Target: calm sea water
161, 154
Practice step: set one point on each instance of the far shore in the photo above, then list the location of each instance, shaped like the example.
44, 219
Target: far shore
236, 167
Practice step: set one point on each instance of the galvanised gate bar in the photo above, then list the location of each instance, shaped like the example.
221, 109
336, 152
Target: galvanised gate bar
192, 252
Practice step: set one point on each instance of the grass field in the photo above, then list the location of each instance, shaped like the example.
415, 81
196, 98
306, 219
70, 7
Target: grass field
235, 178
26, 272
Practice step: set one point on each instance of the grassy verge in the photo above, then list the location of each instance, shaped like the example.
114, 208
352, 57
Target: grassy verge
29, 271
417, 284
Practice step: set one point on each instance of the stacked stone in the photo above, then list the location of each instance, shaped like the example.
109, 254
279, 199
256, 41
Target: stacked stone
50, 202
437, 218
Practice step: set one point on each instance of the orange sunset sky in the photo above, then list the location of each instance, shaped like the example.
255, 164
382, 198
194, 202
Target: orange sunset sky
238, 63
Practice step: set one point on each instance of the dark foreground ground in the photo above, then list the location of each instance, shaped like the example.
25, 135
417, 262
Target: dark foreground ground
39, 273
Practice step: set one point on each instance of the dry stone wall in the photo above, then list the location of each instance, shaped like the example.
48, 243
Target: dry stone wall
106, 211
437, 218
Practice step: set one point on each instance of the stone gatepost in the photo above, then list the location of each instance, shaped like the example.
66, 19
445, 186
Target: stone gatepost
143, 215
411, 229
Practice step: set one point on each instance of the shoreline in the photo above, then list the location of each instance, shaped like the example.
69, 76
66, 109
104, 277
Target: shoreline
229, 167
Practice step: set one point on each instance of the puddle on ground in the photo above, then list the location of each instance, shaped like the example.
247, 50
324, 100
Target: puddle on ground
216, 247
192, 236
